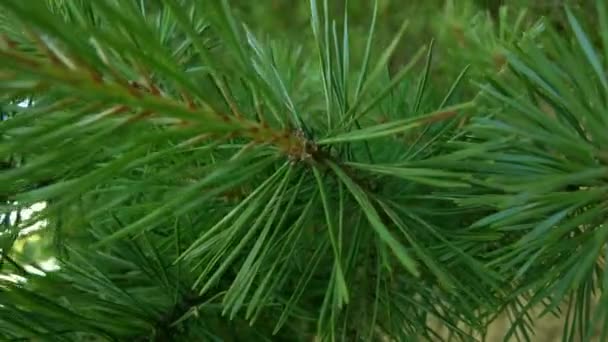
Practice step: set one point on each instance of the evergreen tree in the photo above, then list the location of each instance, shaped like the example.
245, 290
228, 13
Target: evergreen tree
204, 182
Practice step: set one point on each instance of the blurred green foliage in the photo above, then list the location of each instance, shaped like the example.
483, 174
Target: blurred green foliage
466, 32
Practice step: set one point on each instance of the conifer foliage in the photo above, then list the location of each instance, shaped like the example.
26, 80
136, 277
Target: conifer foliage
204, 182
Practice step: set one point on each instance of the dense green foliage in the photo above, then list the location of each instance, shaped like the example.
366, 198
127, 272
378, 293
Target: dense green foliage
302, 170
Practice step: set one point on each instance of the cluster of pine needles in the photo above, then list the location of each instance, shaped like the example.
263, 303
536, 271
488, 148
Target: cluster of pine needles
205, 181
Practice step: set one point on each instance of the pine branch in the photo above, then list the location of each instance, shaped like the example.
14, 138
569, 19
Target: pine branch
203, 181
